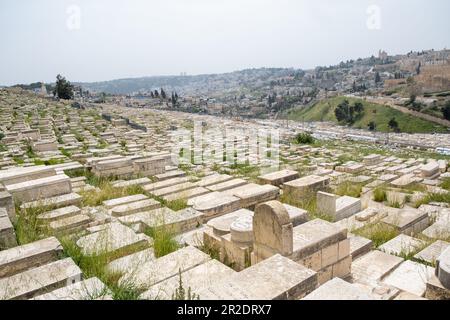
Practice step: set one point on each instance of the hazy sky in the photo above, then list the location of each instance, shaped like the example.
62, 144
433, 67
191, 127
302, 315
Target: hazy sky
94, 40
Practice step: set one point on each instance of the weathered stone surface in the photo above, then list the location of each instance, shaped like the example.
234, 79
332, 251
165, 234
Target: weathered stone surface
55, 202
338, 289
156, 271
90, 289
123, 200
131, 262
314, 236
227, 185
306, 185
252, 194
203, 275
402, 244
408, 221
134, 207
40, 188
274, 278
411, 277
215, 204
27, 256
371, 267
272, 231
432, 252
279, 177
42, 279
114, 237
59, 213
23, 174
443, 268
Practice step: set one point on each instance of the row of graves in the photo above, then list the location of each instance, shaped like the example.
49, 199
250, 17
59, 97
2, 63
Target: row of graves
237, 238
264, 249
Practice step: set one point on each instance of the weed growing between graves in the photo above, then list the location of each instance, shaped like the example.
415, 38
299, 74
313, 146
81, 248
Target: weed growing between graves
66, 153
379, 195
163, 240
181, 293
106, 192
433, 197
49, 162
96, 266
246, 170
18, 160
348, 188
209, 249
27, 227
445, 184
177, 205
379, 233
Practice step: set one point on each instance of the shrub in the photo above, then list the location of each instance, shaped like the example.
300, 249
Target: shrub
304, 138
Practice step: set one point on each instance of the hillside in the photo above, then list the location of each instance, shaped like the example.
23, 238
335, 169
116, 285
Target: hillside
380, 114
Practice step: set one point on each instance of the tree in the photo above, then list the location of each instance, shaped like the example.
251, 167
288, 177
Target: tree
446, 111
393, 124
151, 94
348, 114
63, 88
163, 94
156, 94
377, 77
372, 126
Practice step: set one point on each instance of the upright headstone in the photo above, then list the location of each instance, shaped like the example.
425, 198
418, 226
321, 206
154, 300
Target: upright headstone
272, 231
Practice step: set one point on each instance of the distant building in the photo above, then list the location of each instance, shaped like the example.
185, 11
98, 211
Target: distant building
382, 55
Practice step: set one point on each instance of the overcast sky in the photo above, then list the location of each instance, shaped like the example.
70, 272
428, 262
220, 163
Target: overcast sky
95, 40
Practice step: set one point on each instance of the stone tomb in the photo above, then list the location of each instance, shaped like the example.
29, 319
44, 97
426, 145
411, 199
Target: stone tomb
113, 237
306, 185
338, 289
337, 207
40, 188
279, 177
274, 278
408, 221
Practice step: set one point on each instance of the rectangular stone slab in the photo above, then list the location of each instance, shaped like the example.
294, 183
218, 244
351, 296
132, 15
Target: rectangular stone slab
29, 256
203, 275
315, 235
59, 213
123, 200
186, 194
111, 238
154, 272
230, 184
131, 262
174, 189
40, 188
410, 277
56, 202
214, 179
164, 184
90, 289
371, 267
432, 252
215, 204
274, 278
279, 177
42, 279
138, 206
338, 289
23, 174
